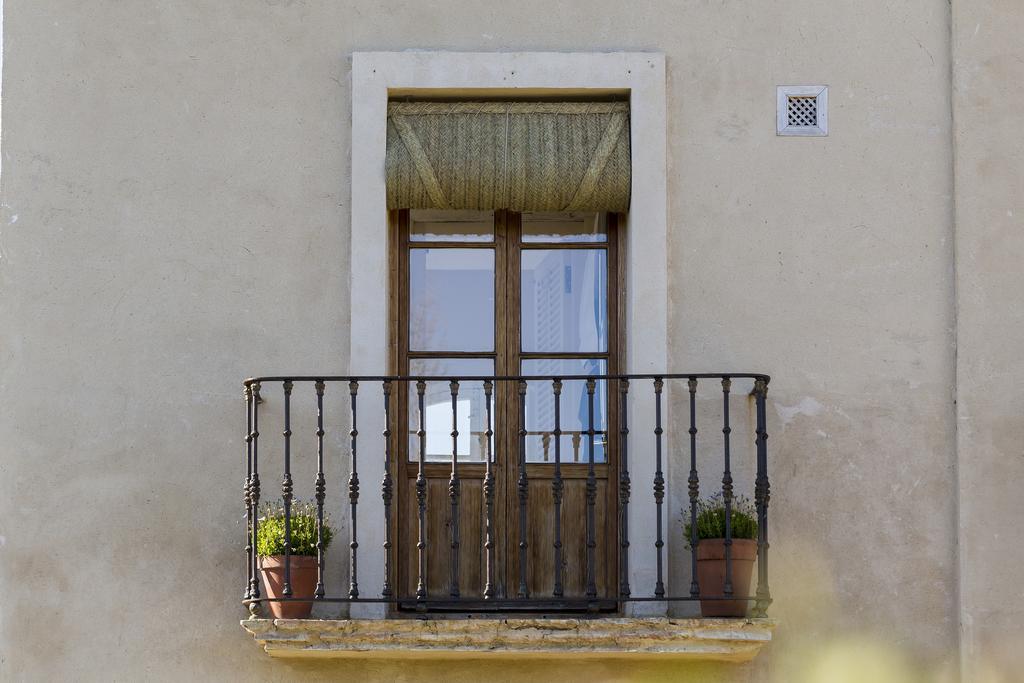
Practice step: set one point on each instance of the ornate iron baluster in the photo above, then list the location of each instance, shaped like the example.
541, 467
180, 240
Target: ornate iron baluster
454, 486
727, 486
557, 487
762, 492
524, 491
353, 497
247, 493
421, 496
321, 490
286, 489
591, 496
624, 485
489, 499
694, 486
254, 497
659, 489
387, 491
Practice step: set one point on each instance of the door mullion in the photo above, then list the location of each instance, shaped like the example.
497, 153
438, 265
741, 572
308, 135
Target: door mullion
511, 321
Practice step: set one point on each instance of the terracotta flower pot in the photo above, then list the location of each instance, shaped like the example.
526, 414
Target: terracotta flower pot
303, 576
711, 575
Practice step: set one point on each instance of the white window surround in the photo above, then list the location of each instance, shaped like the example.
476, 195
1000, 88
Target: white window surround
376, 76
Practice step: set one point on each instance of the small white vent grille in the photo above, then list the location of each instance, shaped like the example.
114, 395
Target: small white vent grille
802, 110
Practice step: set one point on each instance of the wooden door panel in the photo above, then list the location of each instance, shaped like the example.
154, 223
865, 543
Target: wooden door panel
541, 536
438, 514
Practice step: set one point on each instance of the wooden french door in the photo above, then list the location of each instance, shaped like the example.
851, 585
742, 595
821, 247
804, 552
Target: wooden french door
505, 293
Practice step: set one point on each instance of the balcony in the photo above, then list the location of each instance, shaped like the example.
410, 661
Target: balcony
511, 514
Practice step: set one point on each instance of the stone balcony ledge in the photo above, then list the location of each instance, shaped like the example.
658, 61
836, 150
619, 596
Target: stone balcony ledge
735, 640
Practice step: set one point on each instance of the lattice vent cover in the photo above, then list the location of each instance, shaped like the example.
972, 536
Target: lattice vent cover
802, 111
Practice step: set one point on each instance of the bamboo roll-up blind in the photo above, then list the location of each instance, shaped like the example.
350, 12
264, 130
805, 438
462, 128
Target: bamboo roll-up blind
523, 156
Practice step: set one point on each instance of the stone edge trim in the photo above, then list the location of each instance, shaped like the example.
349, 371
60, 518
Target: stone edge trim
736, 640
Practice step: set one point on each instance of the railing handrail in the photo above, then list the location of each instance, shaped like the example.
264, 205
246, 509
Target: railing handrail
507, 378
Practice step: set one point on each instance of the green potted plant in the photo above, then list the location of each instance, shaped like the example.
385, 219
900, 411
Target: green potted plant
303, 566
711, 552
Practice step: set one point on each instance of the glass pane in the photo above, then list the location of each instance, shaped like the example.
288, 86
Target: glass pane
565, 300
437, 409
430, 225
451, 299
565, 227
575, 417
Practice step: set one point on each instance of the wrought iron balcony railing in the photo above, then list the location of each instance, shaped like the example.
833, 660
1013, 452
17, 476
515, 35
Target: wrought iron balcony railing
514, 450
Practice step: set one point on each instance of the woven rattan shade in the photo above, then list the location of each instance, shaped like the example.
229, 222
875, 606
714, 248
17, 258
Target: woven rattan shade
523, 156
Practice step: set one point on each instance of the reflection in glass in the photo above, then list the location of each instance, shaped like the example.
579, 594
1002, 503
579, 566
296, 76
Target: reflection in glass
564, 300
451, 299
430, 225
565, 227
540, 410
437, 401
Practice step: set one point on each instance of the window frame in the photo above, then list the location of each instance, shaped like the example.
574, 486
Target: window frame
376, 77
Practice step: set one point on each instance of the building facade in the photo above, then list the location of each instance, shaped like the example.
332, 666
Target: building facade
198, 193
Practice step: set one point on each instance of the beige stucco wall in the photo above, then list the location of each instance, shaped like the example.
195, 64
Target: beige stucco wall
989, 148
175, 189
